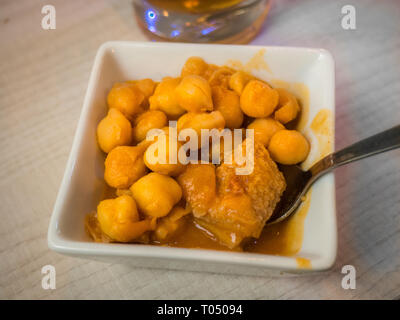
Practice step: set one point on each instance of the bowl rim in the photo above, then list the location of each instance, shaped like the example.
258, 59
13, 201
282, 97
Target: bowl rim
58, 243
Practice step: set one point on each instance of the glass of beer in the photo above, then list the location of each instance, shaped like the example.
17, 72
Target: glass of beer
217, 21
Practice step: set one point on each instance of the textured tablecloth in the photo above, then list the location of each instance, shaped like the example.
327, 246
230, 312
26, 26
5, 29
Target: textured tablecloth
43, 78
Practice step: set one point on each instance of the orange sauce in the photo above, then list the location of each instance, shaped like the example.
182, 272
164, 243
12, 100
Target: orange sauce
257, 62
303, 263
108, 192
321, 127
194, 237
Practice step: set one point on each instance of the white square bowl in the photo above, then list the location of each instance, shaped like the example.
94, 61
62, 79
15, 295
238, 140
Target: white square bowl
82, 186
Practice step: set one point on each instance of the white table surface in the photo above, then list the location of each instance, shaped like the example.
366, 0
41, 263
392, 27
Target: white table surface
43, 78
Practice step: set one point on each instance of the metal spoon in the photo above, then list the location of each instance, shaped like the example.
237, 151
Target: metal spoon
299, 181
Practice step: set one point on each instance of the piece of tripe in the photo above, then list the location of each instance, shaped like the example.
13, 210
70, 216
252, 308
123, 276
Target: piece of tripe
233, 207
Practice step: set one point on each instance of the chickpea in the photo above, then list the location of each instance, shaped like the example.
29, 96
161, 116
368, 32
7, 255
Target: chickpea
164, 130
204, 120
147, 87
123, 166
198, 121
238, 81
227, 102
153, 137
185, 120
264, 129
194, 66
258, 99
288, 107
288, 147
157, 156
171, 224
221, 76
127, 98
119, 219
156, 194
165, 99
194, 94
113, 130
210, 70
151, 119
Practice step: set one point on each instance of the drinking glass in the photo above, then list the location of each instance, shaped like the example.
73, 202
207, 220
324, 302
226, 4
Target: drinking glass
218, 21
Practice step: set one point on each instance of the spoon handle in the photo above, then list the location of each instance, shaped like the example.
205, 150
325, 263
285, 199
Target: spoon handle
381, 142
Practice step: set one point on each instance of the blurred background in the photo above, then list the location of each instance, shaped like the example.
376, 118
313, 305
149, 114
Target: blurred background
43, 79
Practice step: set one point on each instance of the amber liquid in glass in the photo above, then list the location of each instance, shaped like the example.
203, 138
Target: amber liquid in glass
196, 6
